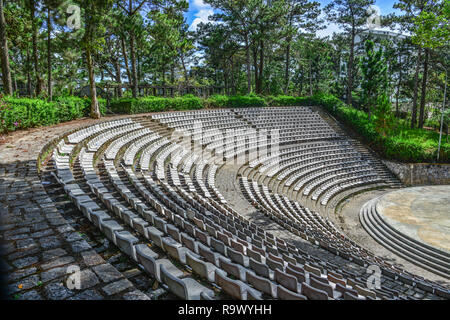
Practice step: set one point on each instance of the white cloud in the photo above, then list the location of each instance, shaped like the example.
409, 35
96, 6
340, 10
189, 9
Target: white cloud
203, 11
201, 16
199, 4
329, 30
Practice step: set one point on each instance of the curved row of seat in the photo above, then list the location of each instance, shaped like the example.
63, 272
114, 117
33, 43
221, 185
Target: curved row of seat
156, 200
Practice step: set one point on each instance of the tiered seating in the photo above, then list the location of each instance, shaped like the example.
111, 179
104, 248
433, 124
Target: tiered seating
155, 198
293, 123
318, 171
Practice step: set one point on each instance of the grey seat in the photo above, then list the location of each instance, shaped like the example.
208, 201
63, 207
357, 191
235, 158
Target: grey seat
312, 293
286, 280
98, 217
126, 242
189, 242
175, 249
285, 294
232, 268
254, 255
301, 277
219, 246
156, 236
325, 287
110, 227
173, 232
349, 296
203, 269
141, 226
261, 269
152, 266
262, 284
186, 288
237, 257
210, 256
272, 264
235, 288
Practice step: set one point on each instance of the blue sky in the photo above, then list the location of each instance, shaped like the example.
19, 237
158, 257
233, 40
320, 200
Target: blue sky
199, 12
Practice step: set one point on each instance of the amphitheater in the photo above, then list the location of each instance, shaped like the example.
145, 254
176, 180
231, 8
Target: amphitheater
248, 203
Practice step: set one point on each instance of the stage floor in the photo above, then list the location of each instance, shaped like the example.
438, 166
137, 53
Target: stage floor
422, 213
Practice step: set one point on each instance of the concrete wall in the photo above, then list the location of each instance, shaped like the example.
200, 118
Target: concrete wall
413, 174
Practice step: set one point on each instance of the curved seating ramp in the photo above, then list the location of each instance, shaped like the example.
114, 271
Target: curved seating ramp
153, 195
419, 253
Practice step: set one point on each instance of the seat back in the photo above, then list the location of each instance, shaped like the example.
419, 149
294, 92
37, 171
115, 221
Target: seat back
228, 285
175, 285
197, 265
285, 294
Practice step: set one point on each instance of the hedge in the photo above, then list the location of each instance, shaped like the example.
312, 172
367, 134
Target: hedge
223, 101
187, 102
22, 113
155, 104
402, 144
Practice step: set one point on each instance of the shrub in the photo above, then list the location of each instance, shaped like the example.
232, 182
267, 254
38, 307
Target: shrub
401, 143
22, 113
283, 100
155, 104
238, 101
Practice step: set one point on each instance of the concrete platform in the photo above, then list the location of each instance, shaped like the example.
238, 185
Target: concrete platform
420, 213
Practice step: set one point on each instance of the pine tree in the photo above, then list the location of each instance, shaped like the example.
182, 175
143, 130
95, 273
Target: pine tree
374, 75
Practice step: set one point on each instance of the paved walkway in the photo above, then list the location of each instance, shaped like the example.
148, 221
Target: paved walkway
42, 240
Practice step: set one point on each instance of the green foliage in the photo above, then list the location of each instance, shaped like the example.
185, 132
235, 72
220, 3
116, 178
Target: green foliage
384, 118
401, 144
283, 100
23, 113
223, 101
374, 74
432, 25
155, 104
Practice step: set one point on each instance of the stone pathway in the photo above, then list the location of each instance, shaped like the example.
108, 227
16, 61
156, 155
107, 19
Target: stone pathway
42, 240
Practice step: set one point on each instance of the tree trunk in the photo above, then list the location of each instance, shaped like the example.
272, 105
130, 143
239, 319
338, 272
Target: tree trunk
310, 77
350, 69
29, 89
118, 77
125, 58
95, 111
286, 71
247, 58
49, 55
233, 77
416, 85
397, 95
186, 78
134, 89
35, 49
424, 89
15, 83
164, 75
6, 71
261, 67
